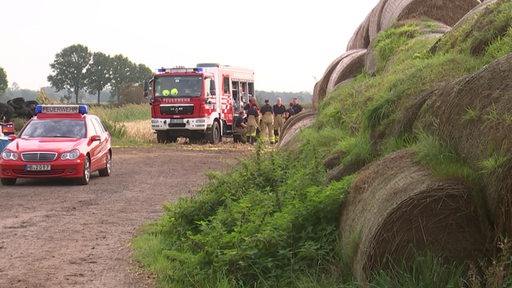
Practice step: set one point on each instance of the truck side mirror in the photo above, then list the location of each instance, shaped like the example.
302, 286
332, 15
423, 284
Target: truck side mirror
146, 89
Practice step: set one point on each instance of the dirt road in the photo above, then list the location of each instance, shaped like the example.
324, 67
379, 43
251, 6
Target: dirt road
58, 234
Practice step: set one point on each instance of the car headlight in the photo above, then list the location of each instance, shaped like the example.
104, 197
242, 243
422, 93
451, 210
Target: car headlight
71, 155
9, 155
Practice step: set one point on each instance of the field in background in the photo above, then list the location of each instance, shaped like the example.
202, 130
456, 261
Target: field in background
140, 130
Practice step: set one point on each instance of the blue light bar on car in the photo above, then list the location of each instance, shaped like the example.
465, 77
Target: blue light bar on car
59, 109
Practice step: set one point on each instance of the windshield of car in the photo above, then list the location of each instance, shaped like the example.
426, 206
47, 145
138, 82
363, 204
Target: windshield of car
54, 128
178, 86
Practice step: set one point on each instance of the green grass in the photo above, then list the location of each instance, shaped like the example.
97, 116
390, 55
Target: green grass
114, 118
443, 161
426, 271
494, 164
123, 113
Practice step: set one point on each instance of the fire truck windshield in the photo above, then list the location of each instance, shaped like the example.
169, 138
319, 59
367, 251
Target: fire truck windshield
178, 86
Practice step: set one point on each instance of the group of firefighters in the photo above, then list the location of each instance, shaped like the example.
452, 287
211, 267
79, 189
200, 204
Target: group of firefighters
267, 121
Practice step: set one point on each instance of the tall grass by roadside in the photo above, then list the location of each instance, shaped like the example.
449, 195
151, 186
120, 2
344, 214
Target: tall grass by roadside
123, 113
267, 224
128, 124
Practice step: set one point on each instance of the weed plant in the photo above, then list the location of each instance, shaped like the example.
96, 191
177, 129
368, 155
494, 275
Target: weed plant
426, 271
266, 224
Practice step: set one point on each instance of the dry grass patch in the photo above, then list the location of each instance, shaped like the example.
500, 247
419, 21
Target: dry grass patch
140, 130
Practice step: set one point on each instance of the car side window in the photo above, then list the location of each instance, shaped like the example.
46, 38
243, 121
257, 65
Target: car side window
98, 126
78, 129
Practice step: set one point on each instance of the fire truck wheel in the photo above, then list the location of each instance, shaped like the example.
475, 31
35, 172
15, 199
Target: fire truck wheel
8, 181
196, 138
161, 136
214, 137
165, 137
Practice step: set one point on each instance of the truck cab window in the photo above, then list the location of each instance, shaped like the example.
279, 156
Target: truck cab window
178, 86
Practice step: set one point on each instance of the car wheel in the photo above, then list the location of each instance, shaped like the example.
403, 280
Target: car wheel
8, 181
86, 175
108, 166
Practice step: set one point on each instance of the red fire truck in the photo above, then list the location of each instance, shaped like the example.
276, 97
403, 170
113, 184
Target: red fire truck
199, 103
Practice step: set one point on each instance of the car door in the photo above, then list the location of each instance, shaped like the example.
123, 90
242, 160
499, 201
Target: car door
98, 148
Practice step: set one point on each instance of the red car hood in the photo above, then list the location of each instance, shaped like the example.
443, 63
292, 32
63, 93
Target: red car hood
46, 144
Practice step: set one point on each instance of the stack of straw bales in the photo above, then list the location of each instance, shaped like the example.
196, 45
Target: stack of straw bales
387, 12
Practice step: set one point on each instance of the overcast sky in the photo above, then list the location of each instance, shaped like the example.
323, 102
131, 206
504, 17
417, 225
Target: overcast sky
289, 44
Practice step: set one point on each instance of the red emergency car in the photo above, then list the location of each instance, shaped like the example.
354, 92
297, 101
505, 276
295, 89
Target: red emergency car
61, 141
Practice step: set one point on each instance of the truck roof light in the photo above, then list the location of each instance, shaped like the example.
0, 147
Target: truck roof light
178, 70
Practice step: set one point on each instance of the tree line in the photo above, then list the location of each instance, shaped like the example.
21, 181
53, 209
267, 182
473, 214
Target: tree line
76, 68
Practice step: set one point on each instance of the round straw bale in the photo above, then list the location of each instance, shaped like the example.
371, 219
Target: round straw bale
332, 161
370, 61
374, 26
319, 92
321, 87
316, 96
294, 125
473, 12
349, 67
445, 11
473, 116
434, 28
361, 38
468, 18
396, 207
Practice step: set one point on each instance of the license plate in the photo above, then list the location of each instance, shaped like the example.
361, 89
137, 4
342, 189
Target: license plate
38, 167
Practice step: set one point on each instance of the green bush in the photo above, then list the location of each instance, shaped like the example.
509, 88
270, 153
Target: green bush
264, 223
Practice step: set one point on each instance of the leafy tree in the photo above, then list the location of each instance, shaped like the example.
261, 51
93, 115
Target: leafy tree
132, 94
69, 69
143, 74
123, 72
98, 73
3, 81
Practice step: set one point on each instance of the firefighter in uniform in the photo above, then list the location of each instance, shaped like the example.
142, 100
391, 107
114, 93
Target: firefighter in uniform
252, 102
240, 128
297, 108
279, 111
289, 112
253, 115
268, 121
